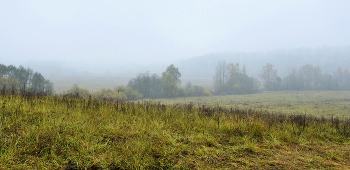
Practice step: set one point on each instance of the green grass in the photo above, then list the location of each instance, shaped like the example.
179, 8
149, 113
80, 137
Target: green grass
318, 103
60, 132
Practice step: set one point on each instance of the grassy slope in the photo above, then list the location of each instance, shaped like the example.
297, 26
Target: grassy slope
50, 132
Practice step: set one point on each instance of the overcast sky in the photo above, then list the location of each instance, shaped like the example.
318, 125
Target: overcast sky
68, 31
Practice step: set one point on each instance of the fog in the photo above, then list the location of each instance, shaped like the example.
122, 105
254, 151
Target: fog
123, 38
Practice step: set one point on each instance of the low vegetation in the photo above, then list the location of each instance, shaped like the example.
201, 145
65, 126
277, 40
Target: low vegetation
69, 132
316, 103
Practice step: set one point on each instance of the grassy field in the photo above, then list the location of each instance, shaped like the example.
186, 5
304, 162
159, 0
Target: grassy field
318, 103
92, 83
98, 82
59, 132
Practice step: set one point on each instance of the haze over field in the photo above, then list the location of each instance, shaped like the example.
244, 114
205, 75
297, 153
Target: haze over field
128, 37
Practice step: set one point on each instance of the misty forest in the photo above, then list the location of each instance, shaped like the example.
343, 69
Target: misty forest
228, 79
121, 85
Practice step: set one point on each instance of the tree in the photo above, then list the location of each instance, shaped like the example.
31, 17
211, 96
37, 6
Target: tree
12, 84
15, 79
269, 76
244, 70
11, 71
149, 86
291, 81
2, 85
171, 80
48, 87
38, 83
188, 89
220, 77
23, 75
141, 83
169, 84
3, 71
342, 78
156, 88
231, 79
174, 73
306, 76
317, 77
133, 94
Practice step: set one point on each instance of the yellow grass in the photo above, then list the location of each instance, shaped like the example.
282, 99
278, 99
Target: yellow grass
64, 132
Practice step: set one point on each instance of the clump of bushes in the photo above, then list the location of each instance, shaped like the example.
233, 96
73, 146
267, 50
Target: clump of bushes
120, 93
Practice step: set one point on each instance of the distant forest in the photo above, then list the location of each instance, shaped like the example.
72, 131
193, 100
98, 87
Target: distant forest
231, 79
229, 73
326, 58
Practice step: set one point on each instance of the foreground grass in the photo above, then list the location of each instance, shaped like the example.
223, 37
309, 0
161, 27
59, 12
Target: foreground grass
317, 103
65, 132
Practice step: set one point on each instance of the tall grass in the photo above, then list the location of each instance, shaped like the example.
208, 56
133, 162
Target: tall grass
67, 132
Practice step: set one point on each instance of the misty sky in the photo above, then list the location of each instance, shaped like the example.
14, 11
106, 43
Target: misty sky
89, 32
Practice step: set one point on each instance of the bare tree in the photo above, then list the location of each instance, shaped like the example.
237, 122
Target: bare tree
220, 76
269, 76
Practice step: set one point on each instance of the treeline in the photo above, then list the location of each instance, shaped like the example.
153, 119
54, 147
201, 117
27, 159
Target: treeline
165, 86
145, 85
231, 79
306, 77
327, 58
15, 80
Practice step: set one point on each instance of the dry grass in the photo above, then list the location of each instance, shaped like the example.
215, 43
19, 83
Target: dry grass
317, 103
58, 132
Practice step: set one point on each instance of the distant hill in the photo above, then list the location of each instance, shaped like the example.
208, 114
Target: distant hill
327, 58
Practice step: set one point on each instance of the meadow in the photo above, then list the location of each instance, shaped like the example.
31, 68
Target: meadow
68, 132
90, 82
317, 103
